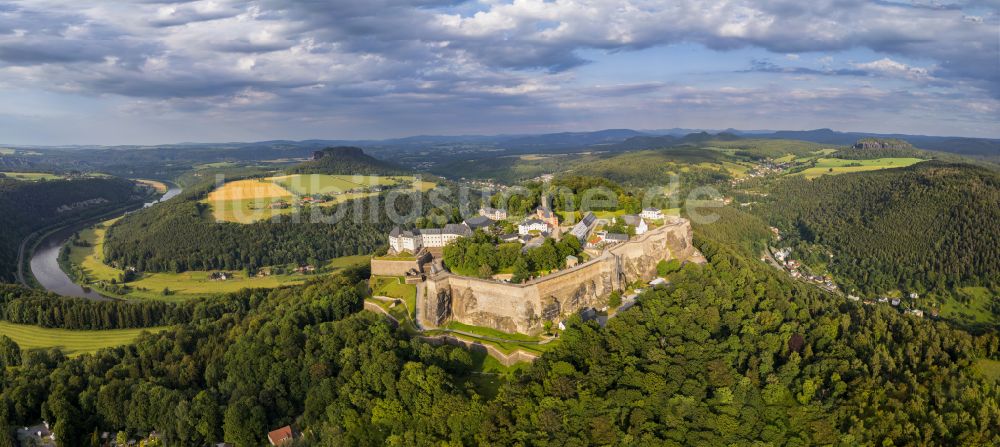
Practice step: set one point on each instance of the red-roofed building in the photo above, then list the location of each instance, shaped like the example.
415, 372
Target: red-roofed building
281, 435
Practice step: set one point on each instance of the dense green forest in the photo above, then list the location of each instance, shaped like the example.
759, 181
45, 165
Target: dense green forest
731, 353
177, 236
930, 226
29, 206
23, 305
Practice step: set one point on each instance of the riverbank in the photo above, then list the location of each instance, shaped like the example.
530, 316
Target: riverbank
39, 252
85, 263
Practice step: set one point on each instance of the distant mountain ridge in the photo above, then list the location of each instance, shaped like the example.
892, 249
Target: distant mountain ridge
986, 147
418, 151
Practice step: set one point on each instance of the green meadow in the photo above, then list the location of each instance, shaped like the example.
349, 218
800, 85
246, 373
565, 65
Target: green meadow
70, 342
834, 166
184, 285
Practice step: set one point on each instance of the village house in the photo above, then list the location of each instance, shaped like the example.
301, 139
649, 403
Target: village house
281, 435
413, 240
782, 254
478, 222
652, 213
583, 227
615, 238
510, 237
634, 220
544, 213
493, 213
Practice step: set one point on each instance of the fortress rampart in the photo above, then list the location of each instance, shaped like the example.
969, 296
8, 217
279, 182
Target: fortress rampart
524, 307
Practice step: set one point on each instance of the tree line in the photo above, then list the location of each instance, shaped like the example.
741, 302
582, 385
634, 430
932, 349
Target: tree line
730, 353
24, 305
178, 235
483, 255
29, 206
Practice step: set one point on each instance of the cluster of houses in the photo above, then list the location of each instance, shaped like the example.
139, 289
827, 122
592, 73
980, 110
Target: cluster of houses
304, 200
895, 302
768, 167
532, 231
826, 282
783, 256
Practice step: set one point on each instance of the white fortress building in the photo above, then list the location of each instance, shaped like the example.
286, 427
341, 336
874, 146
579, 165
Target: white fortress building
493, 213
530, 225
413, 240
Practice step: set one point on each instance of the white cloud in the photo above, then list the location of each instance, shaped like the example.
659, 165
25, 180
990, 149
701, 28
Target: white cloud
520, 56
889, 67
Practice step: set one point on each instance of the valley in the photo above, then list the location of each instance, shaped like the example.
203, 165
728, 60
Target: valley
501, 269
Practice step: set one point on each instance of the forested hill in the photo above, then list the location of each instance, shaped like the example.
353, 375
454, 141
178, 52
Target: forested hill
180, 235
29, 206
346, 160
926, 227
731, 353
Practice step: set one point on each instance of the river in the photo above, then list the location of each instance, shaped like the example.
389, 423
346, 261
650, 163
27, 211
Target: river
45, 260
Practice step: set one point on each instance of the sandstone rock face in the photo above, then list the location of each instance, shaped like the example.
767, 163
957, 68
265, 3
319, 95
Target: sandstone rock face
882, 143
525, 307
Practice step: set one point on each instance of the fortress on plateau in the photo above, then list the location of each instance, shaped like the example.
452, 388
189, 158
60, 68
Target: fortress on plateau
444, 296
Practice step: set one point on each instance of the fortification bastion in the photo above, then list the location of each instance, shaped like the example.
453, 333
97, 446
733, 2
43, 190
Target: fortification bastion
525, 307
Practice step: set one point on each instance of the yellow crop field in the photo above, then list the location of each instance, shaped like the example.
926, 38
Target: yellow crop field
248, 201
249, 189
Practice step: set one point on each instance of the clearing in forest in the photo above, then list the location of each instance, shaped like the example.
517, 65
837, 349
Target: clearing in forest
833, 166
70, 341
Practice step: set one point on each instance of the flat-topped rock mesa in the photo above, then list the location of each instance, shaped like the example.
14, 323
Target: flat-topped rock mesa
346, 160
525, 307
882, 143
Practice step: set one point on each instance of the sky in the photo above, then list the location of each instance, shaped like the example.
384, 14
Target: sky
163, 71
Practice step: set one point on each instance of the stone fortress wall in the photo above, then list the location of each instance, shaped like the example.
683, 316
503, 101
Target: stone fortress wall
390, 267
524, 307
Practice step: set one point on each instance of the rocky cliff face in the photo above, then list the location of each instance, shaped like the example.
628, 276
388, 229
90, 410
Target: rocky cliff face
882, 143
